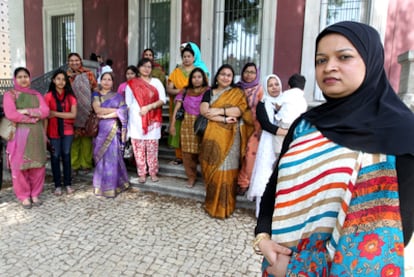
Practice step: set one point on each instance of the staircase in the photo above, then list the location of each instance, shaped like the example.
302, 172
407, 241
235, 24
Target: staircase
165, 153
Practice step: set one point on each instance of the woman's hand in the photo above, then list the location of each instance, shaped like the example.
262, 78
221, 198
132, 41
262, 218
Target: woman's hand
231, 119
144, 110
277, 255
279, 268
212, 112
52, 114
172, 129
23, 111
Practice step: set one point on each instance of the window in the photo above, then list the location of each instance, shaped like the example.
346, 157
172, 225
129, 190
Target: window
240, 23
333, 11
154, 31
62, 31
63, 38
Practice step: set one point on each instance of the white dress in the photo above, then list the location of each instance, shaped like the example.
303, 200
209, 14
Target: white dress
134, 118
265, 159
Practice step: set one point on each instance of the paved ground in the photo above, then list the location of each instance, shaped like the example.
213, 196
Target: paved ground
139, 233
136, 234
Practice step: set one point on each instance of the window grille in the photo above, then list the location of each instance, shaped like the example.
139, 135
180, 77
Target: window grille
340, 10
240, 21
63, 38
154, 29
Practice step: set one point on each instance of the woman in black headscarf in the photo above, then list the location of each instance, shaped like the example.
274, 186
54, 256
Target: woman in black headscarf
338, 202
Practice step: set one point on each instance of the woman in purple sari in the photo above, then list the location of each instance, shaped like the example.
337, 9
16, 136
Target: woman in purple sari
110, 176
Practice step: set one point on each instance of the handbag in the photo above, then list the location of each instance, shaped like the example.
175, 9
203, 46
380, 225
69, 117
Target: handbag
7, 129
200, 125
179, 115
92, 125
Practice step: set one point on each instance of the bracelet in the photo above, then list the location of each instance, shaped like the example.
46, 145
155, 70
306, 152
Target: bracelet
257, 240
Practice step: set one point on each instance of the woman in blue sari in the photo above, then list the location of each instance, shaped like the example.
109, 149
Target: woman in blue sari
110, 176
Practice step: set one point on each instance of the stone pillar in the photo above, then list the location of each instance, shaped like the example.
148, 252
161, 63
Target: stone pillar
5, 60
406, 90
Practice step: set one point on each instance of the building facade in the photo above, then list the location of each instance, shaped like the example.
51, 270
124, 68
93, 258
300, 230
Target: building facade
278, 35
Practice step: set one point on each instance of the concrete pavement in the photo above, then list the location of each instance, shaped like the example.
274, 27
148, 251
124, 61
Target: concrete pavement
136, 234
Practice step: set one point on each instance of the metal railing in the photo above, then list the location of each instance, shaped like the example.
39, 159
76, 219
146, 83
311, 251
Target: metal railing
5, 85
41, 83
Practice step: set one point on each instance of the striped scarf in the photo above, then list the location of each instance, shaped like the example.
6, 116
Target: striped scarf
337, 209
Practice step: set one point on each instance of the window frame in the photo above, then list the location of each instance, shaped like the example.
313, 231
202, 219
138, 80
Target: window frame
134, 53
212, 38
58, 8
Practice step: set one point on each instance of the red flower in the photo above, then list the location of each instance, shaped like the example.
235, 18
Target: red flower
398, 248
390, 270
338, 258
303, 274
370, 247
313, 266
303, 243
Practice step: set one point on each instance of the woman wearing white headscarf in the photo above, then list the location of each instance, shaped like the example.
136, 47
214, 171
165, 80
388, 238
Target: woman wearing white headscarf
266, 152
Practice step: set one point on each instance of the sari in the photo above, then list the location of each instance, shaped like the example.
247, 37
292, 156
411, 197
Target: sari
222, 148
110, 176
254, 93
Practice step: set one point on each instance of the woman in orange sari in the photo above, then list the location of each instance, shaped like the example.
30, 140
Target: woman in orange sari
230, 124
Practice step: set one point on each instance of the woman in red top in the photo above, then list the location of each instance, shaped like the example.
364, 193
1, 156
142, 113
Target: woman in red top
62, 104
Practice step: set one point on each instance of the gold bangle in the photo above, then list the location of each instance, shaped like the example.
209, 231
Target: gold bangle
257, 240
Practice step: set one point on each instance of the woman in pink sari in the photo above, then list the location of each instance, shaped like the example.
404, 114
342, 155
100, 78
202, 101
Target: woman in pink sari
253, 90
26, 151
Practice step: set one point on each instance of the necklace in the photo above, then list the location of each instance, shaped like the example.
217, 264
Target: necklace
217, 91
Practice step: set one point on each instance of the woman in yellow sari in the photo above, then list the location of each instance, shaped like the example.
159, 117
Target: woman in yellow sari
230, 124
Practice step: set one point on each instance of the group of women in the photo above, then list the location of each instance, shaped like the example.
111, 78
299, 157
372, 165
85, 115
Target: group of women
338, 202
56, 122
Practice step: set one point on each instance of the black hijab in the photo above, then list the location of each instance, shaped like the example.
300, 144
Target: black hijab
372, 119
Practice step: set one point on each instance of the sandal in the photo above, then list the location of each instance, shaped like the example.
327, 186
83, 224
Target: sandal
177, 161
154, 178
190, 184
141, 179
58, 191
37, 202
27, 205
241, 191
69, 190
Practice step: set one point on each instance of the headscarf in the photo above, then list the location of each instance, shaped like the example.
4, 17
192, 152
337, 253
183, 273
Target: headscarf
243, 84
372, 119
198, 62
24, 89
267, 97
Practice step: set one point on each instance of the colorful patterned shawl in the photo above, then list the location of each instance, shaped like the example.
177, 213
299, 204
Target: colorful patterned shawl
337, 209
83, 82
